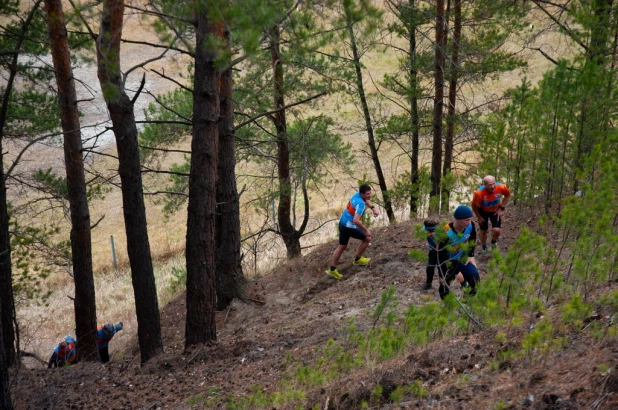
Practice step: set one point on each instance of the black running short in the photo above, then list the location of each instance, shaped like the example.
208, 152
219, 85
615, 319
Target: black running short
489, 216
346, 233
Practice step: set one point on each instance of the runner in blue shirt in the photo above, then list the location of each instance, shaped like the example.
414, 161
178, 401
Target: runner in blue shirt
351, 226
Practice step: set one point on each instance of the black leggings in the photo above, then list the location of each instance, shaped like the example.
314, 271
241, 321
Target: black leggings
469, 272
104, 354
432, 262
489, 217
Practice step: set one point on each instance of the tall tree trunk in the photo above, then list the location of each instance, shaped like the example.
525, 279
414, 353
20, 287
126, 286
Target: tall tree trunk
452, 100
230, 280
368, 124
81, 246
414, 115
5, 385
200, 253
552, 150
7, 303
436, 158
123, 120
284, 211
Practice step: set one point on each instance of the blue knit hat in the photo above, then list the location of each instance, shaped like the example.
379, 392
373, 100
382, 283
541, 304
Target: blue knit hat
463, 212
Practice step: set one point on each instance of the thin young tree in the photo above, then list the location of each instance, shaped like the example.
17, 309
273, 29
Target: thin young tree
293, 146
411, 24
409, 94
452, 102
121, 111
438, 108
288, 233
81, 245
353, 14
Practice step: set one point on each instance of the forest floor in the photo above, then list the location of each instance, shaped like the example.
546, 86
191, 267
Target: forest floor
294, 311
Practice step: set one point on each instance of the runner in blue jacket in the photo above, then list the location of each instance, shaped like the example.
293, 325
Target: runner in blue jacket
64, 354
105, 333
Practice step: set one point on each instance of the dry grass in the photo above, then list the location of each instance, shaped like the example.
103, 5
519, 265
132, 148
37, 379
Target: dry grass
42, 327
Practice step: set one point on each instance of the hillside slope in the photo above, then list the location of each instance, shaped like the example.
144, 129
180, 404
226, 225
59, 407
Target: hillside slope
294, 311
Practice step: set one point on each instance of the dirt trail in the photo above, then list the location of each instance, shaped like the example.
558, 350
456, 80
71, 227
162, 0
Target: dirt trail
302, 309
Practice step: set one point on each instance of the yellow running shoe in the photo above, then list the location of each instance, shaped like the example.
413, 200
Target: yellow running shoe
362, 261
334, 273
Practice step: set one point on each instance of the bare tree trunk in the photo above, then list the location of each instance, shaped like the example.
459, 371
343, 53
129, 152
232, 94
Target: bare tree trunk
414, 172
7, 303
230, 280
200, 253
123, 120
436, 159
81, 246
368, 124
452, 100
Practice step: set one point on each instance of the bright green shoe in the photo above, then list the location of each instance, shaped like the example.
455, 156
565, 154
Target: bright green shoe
362, 261
334, 273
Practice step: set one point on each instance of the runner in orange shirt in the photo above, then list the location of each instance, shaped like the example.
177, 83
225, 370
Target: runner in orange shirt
488, 204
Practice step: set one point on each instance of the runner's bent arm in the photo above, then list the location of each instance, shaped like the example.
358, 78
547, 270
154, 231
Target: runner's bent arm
505, 200
372, 207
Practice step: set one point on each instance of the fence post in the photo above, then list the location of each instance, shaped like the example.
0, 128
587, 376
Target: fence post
111, 239
275, 225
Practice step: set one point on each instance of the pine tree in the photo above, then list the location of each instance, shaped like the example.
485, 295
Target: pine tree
452, 102
274, 89
81, 246
414, 68
123, 119
230, 281
16, 42
358, 20
200, 246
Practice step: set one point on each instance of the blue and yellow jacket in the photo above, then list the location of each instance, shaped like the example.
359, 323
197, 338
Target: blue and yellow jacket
456, 245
